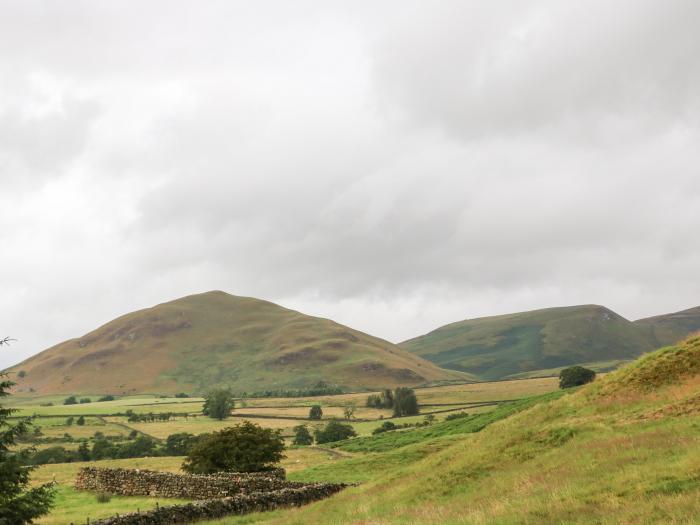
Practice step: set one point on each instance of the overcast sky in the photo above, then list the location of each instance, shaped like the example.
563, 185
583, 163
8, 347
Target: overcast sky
392, 165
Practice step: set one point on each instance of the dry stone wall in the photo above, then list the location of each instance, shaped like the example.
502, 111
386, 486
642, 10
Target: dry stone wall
218, 508
132, 482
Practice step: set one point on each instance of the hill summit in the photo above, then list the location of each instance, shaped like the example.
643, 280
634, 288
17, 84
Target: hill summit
540, 342
200, 341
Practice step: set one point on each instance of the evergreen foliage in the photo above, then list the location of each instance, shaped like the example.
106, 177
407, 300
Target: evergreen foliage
18, 503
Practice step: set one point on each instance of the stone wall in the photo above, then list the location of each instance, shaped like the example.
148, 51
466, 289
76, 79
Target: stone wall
132, 482
218, 508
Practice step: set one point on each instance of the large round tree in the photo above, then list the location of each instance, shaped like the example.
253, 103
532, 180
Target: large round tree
245, 447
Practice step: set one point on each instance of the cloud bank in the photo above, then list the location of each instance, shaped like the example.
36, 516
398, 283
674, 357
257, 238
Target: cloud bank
392, 167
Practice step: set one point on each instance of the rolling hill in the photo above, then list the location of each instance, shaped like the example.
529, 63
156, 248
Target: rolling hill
621, 450
670, 328
540, 340
200, 341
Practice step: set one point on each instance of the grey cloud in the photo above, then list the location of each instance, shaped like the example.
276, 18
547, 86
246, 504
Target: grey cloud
394, 167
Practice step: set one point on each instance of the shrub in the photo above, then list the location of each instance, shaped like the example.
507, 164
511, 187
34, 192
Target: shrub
180, 444
80, 421
575, 376
218, 404
106, 398
334, 431
315, 412
386, 427
103, 497
71, 400
182, 395
69, 421
85, 400
456, 415
302, 436
21, 373
245, 447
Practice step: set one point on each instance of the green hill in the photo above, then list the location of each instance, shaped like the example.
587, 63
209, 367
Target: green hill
540, 340
200, 341
622, 450
670, 328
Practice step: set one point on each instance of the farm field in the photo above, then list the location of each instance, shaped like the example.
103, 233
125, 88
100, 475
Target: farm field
107, 419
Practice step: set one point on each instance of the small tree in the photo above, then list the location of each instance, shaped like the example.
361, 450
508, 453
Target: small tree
575, 376
18, 505
218, 404
334, 431
69, 421
405, 402
349, 410
71, 400
245, 447
302, 436
80, 421
387, 399
315, 412
84, 451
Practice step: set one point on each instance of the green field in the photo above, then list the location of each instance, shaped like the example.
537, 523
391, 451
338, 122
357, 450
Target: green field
623, 450
307, 463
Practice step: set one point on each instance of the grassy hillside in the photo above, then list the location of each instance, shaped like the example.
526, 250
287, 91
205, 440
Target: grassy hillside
200, 341
625, 449
670, 328
508, 345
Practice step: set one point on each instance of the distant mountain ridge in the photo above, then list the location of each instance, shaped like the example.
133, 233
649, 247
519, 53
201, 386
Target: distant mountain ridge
544, 340
204, 340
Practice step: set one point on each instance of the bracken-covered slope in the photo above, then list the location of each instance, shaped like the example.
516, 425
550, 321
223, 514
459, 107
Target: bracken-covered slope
670, 328
200, 341
625, 449
540, 340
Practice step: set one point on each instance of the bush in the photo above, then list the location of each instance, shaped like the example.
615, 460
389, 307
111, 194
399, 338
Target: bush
315, 412
456, 415
386, 427
80, 421
575, 376
302, 436
69, 421
383, 400
71, 400
106, 398
218, 404
103, 497
21, 373
180, 444
245, 447
181, 395
334, 431
85, 400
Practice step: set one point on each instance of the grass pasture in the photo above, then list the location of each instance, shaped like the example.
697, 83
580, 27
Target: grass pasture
360, 462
